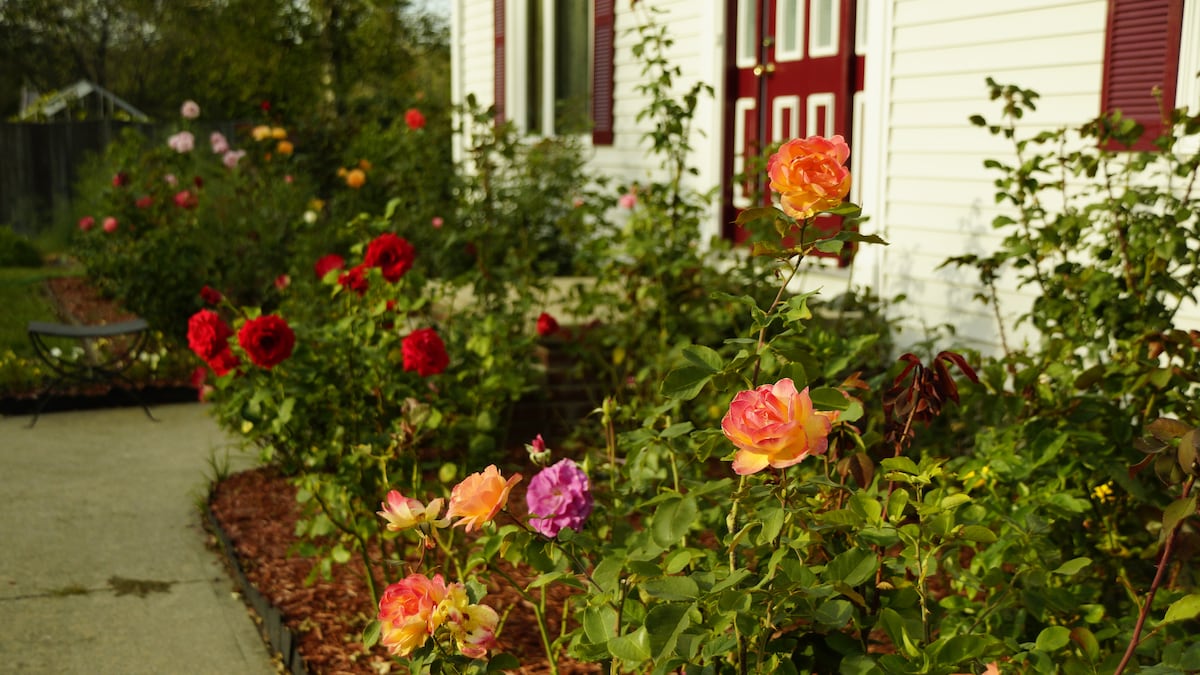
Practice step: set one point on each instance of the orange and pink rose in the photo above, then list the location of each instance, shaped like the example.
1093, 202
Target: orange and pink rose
776, 426
809, 174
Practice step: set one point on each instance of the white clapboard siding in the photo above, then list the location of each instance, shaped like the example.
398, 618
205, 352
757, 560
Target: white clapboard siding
940, 199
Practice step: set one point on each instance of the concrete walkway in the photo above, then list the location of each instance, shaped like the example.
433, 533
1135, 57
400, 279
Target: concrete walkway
103, 565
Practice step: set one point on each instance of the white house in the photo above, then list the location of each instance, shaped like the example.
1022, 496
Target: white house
898, 78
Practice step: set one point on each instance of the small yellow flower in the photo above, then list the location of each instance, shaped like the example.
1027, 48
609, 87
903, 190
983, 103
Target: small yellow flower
278, 133
284, 147
261, 133
341, 172
316, 204
1104, 493
355, 178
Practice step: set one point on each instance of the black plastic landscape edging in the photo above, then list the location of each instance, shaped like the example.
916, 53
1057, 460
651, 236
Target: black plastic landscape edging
273, 628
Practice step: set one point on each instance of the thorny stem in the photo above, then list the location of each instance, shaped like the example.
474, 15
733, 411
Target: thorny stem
1163, 561
762, 332
362, 546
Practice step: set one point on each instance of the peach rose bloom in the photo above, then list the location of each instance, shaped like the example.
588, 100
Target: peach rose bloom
776, 426
406, 612
479, 497
284, 147
355, 178
809, 175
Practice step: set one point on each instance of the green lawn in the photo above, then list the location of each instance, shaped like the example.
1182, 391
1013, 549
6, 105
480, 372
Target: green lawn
23, 300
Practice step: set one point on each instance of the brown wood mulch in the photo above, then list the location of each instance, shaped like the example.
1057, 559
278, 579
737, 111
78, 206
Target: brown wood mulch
257, 510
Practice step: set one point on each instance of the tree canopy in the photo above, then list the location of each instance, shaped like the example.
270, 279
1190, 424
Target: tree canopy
308, 58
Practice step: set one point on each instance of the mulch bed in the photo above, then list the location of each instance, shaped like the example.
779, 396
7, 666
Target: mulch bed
257, 510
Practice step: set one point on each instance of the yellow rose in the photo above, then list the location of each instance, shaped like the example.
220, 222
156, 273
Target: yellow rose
278, 133
284, 147
261, 133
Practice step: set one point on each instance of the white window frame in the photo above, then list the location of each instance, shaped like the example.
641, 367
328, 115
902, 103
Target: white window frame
516, 38
796, 52
816, 49
1187, 81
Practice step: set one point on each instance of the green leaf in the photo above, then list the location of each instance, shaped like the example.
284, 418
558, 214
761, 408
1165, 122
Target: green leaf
958, 648
835, 612
671, 588
759, 213
1072, 567
685, 383
1183, 609
672, 519
1053, 638
499, 663
607, 574
828, 398
901, 464
978, 533
704, 357
370, 634
1176, 512
340, 555
598, 623
634, 647
666, 623
852, 567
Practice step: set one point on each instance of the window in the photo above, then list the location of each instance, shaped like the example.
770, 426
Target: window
554, 65
1142, 51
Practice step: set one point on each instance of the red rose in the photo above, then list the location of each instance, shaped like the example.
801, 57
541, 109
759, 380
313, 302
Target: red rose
265, 105
211, 296
198, 182
424, 352
414, 119
282, 281
392, 254
144, 202
208, 335
121, 179
224, 362
184, 199
355, 279
268, 340
329, 262
546, 325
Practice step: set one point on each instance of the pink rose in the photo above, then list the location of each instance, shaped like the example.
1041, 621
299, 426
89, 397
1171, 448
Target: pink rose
809, 175
231, 158
190, 110
182, 142
627, 200
110, 224
86, 223
220, 144
184, 199
438, 222
776, 426
144, 202
171, 179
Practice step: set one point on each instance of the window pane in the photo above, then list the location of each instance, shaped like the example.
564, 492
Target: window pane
572, 80
534, 87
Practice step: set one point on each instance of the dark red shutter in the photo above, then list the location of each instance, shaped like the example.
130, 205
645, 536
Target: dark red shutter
499, 61
1142, 52
602, 72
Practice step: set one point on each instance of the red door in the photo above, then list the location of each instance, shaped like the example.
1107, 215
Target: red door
795, 70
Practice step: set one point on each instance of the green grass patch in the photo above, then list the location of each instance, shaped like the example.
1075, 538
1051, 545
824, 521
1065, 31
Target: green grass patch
23, 297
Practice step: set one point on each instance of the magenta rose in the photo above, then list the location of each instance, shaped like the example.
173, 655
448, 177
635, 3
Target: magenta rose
559, 496
424, 352
208, 335
268, 340
392, 254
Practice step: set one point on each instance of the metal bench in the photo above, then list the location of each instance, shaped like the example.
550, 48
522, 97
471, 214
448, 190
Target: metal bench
86, 370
